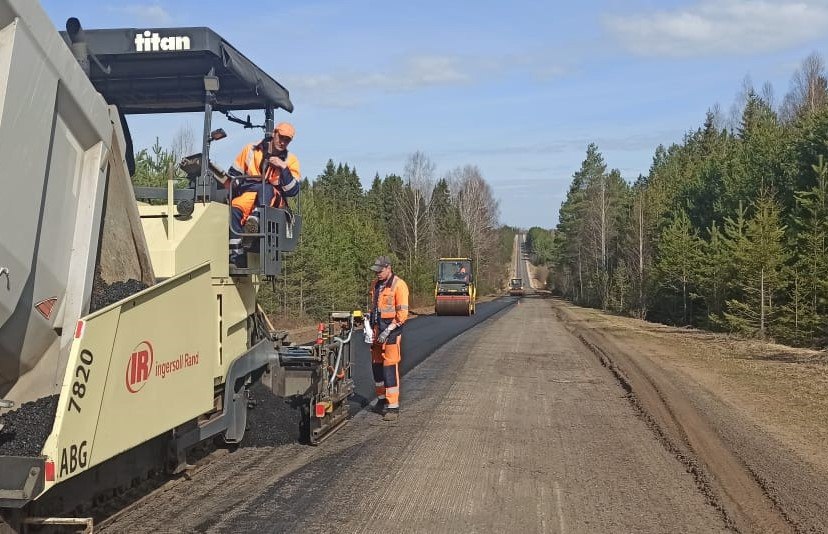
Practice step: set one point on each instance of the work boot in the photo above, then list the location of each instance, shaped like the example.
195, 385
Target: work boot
251, 226
391, 414
239, 260
380, 407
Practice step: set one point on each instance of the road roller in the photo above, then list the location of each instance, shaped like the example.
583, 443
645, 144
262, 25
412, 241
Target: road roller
454, 292
516, 287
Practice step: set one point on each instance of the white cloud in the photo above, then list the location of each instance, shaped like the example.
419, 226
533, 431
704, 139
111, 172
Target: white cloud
736, 27
621, 143
514, 187
151, 14
414, 73
551, 72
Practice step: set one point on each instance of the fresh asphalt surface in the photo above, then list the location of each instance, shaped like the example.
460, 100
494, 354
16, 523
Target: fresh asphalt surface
424, 334
421, 336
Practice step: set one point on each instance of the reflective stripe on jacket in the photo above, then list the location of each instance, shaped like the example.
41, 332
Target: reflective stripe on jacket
392, 304
249, 163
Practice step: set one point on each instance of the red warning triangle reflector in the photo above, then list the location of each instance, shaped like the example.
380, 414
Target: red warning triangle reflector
79, 329
45, 307
49, 471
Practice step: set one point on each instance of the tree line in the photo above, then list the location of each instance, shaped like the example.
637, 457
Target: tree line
541, 244
727, 231
415, 218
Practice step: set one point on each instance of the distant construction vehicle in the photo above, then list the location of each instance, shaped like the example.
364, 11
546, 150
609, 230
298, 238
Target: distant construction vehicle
516, 287
455, 292
125, 334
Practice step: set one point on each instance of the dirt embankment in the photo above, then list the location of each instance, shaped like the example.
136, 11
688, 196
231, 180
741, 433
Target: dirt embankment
748, 419
538, 275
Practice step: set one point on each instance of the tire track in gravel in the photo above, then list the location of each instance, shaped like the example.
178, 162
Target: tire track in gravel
720, 474
489, 443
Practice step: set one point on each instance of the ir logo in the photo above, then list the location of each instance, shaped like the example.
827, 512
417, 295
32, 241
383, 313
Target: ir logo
139, 367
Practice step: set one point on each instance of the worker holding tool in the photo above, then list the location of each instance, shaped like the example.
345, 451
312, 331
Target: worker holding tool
388, 313
280, 168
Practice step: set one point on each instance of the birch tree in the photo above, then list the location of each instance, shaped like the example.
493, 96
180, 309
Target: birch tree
183, 143
412, 211
635, 246
809, 90
478, 209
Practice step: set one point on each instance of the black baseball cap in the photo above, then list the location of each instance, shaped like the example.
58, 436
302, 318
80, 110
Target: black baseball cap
380, 263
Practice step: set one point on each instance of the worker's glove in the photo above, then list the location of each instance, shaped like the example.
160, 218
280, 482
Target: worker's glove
385, 333
368, 331
277, 162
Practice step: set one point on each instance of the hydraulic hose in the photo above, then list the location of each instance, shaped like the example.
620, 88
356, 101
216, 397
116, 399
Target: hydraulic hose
341, 345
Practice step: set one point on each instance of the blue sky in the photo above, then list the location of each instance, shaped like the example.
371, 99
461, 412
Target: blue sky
517, 88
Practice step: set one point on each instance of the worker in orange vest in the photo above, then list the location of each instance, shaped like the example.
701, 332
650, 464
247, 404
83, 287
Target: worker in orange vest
388, 313
280, 169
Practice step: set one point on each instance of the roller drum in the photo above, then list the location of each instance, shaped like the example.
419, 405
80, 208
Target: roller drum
454, 305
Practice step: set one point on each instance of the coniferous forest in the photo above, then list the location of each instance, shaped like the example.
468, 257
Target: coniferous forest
415, 218
727, 231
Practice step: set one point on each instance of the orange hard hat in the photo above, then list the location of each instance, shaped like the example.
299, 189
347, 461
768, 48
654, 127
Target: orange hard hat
285, 129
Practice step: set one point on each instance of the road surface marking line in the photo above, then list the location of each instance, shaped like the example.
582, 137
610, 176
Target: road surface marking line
560, 507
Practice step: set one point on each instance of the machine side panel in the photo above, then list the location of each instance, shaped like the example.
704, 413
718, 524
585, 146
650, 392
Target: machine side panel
162, 364
238, 303
136, 369
177, 244
81, 395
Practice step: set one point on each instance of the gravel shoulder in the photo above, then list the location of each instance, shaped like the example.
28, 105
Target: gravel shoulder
749, 417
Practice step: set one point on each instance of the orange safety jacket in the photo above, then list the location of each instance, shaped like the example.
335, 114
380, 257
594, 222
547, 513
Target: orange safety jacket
391, 305
249, 163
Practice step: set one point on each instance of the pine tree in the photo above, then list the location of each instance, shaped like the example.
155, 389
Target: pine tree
620, 288
540, 244
760, 271
809, 294
450, 236
749, 278
679, 257
374, 202
582, 230
715, 274
341, 184
152, 167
